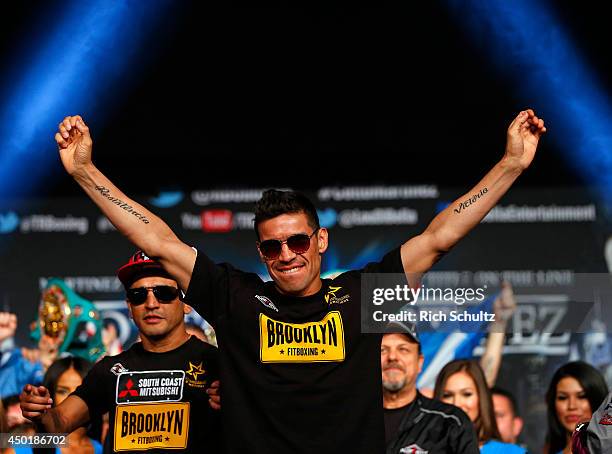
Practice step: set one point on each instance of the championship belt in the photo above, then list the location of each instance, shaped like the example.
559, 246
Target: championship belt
53, 312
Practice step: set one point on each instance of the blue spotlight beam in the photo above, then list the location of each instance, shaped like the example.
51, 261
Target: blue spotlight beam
528, 44
76, 69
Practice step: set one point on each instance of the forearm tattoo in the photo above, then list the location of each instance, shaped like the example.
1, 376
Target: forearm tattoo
471, 200
105, 192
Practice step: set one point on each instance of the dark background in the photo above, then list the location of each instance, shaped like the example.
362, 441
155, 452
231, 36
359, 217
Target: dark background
266, 95
257, 95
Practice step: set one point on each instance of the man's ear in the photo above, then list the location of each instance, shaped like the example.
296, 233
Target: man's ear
421, 361
129, 306
322, 239
517, 425
261, 257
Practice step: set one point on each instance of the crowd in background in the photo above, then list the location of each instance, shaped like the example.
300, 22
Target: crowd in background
576, 390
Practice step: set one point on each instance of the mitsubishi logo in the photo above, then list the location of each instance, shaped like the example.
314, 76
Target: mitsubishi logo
128, 391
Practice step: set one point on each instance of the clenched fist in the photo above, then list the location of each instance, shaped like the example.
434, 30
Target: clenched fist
8, 325
34, 401
74, 144
522, 139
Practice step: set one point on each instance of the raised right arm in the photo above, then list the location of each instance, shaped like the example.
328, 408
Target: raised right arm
144, 229
71, 414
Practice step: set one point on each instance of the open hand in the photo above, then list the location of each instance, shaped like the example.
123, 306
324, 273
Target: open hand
504, 305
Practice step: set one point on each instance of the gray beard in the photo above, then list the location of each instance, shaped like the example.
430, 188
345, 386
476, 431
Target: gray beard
393, 386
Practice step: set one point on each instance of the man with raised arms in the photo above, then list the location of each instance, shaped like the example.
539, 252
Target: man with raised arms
285, 389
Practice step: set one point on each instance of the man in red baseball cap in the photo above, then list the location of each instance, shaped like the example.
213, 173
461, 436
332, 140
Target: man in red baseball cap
156, 391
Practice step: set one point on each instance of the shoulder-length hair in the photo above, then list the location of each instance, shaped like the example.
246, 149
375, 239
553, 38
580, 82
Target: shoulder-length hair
82, 367
55, 371
595, 389
485, 423
4, 427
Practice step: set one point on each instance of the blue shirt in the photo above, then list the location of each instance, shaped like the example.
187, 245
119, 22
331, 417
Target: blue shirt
16, 372
497, 447
27, 450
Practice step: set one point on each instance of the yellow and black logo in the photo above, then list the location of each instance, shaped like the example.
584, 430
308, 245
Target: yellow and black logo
149, 426
282, 342
331, 298
191, 375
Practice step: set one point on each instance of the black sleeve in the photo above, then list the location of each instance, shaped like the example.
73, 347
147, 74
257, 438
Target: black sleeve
390, 263
387, 273
211, 357
463, 438
92, 389
599, 430
208, 291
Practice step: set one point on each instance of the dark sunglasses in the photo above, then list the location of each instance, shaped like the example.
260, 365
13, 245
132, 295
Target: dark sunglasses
299, 244
163, 294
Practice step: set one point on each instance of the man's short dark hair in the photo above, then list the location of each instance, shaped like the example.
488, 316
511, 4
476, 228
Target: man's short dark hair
508, 395
273, 203
110, 321
409, 337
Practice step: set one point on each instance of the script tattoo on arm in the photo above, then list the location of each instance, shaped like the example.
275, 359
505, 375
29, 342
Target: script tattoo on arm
471, 200
105, 192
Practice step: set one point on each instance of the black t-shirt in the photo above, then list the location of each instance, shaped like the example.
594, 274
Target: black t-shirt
156, 401
297, 374
393, 419
431, 426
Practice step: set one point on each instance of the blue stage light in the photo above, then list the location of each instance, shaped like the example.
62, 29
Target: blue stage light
528, 45
82, 65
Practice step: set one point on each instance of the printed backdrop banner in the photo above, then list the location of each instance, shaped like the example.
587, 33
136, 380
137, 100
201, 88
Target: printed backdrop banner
545, 233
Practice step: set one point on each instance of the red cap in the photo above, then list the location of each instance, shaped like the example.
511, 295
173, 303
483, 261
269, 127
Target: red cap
138, 266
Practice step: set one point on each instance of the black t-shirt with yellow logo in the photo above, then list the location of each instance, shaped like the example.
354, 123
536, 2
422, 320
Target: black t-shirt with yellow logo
156, 401
297, 374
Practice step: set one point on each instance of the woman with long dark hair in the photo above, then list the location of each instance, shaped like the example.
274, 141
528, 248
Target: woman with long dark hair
61, 379
462, 383
576, 390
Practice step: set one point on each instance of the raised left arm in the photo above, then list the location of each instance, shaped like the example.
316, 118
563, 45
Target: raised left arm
421, 252
503, 308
